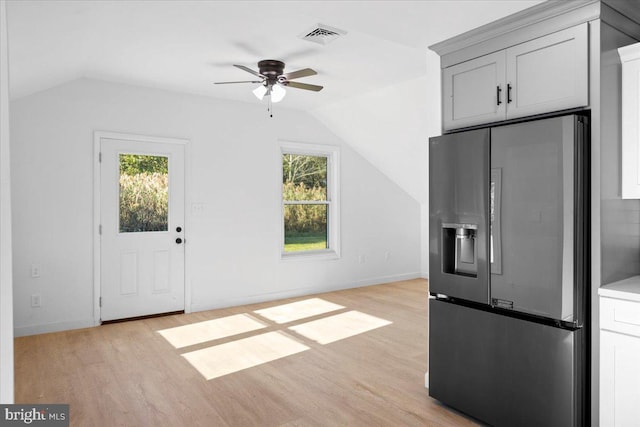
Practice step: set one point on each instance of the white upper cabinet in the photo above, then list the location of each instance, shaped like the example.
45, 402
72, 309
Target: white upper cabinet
630, 57
547, 74
474, 91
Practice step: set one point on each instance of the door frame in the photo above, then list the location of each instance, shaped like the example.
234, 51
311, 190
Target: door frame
98, 136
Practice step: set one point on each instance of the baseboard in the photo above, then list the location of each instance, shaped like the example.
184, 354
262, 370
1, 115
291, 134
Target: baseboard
22, 331
298, 292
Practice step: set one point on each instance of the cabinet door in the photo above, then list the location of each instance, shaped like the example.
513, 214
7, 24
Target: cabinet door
473, 92
549, 73
630, 57
619, 379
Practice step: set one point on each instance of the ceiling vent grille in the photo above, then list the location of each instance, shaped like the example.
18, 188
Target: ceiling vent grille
322, 34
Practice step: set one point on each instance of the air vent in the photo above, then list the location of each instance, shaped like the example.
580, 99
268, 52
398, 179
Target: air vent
322, 34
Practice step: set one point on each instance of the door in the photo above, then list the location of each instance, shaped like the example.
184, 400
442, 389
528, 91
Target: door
142, 228
549, 73
534, 214
619, 379
458, 215
473, 91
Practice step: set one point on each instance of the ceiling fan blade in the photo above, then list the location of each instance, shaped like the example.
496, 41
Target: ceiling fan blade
300, 73
305, 86
245, 81
248, 70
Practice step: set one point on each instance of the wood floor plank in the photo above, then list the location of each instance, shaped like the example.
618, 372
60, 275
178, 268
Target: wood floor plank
128, 374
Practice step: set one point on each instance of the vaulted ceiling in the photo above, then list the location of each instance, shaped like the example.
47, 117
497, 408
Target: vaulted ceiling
380, 81
187, 45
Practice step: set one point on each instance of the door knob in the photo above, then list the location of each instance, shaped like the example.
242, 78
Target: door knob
178, 240
178, 229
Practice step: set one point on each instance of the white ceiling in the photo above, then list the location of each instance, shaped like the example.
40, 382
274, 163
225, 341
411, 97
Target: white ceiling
187, 45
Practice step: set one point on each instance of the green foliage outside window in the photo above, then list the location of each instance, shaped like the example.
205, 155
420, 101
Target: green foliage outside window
304, 178
144, 193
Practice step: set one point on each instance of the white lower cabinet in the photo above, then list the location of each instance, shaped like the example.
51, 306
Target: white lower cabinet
619, 380
619, 361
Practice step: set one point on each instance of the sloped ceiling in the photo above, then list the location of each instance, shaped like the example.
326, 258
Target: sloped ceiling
376, 77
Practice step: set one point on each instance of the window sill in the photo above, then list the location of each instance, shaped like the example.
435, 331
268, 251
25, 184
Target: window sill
326, 255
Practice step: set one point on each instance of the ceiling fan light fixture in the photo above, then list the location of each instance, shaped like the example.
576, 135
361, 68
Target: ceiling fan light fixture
260, 92
277, 93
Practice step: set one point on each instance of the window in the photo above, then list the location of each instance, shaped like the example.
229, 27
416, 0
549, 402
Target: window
144, 193
310, 215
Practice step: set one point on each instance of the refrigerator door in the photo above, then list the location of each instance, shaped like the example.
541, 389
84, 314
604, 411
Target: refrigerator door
458, 215
504, 370
535, 217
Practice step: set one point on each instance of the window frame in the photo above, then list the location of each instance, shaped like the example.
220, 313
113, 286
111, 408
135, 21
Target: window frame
332, 153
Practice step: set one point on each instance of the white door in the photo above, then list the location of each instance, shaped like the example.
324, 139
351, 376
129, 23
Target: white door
142, 228
473, 92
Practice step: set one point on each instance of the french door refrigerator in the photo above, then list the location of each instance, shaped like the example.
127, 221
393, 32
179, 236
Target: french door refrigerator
508, 274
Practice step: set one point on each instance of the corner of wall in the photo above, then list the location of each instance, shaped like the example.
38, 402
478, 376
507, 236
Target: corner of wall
6, 277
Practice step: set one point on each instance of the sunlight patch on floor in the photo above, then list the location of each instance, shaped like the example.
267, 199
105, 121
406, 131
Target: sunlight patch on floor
340, 326
209, 330
298, 310
223, 359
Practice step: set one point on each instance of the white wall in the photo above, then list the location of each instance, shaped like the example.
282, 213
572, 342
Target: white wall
6, 299
391, 127
233, 246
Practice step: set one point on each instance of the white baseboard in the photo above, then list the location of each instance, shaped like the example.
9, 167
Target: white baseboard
298, 292
22, 331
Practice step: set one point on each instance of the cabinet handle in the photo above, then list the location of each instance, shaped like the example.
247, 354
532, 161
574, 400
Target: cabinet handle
498, 91
508, 93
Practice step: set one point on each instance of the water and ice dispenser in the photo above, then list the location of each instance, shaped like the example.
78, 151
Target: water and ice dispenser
459, 251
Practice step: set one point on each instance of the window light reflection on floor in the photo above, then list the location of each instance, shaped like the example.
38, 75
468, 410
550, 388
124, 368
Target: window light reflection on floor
227, 358
340, 326
209, 330
298, 310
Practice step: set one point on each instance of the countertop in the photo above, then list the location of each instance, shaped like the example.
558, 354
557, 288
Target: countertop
628, 289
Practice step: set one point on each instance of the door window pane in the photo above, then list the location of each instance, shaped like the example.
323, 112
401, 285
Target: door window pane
144, 193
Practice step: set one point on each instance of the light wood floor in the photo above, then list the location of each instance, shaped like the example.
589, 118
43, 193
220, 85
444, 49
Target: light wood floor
129, 374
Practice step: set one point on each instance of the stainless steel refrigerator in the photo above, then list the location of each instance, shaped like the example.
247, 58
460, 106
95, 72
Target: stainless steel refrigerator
508, 272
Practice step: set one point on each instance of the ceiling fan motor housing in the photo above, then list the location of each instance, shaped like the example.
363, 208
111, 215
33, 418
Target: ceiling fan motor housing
271, 69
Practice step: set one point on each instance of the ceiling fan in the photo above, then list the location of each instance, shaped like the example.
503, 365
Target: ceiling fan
273, 79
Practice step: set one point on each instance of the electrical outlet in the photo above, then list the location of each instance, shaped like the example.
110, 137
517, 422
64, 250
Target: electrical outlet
361, 259
35, 270
36, 301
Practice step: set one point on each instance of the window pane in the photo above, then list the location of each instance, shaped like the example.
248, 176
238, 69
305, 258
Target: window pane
144, 193
304, 177
305, 227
